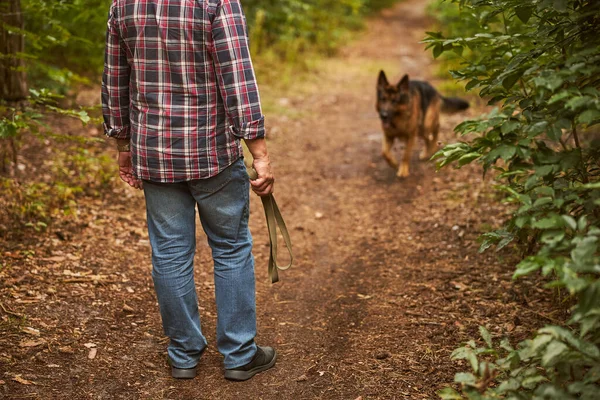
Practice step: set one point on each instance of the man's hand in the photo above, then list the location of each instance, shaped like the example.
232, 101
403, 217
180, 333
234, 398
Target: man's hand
126, 170
264, 184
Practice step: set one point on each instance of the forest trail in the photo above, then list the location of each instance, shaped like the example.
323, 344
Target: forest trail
387, 280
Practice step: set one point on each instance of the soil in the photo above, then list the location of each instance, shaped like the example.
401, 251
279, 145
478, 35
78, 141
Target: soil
387, 282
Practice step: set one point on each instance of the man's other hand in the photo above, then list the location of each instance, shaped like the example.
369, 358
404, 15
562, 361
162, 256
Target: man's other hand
264, 184
126, 171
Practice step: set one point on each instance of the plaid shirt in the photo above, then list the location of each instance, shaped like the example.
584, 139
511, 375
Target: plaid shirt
179, 83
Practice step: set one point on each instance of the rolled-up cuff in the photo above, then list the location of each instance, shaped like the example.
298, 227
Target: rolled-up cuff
251, 130
122, 133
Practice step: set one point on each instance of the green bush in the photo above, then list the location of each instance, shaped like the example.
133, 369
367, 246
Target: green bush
292, 27
539, 62
65, 39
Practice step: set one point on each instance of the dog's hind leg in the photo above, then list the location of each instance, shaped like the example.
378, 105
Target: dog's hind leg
431, 128
404, 170
387, 151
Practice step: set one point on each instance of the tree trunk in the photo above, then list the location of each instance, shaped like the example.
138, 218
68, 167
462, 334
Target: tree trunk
13, 81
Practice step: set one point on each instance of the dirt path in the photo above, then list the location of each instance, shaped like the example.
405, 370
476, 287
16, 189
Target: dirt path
387, 282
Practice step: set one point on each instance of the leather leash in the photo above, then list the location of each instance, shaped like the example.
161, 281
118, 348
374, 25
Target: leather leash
274, 220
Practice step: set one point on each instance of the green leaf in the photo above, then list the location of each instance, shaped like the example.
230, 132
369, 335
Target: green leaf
449, 394
524, 13
589, 116
560, 5
472, 84
465, 378
582, 223
509, 81
585, 250
438, 50
542, 201
526, 267
468, 158
509, 385
509, 126
466, 353
595, 185
532, 381
578, 102
549, 223
458, 50
554, 133
84, 117
553, 351
486, 336
544, 170
505, 151
558, 97
571, 223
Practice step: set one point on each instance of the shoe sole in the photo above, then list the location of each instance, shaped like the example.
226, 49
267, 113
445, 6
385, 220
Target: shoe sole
240, 376
179, 373
184, 373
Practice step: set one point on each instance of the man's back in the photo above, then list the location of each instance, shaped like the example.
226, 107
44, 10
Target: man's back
179, 81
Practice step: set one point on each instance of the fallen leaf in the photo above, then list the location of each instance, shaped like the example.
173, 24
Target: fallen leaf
382, 355
31, 343
66, 350
458, 286
23, 381
93, 352
56, 259
31, 331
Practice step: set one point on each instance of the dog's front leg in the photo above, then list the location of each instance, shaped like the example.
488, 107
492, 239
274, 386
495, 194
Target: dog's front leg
404, 170
387, 151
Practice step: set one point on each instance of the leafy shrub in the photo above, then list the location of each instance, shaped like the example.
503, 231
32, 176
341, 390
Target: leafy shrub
292, 27
74, 173
539, 61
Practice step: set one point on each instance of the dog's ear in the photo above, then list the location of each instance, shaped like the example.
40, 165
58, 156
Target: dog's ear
404, 84
383, 81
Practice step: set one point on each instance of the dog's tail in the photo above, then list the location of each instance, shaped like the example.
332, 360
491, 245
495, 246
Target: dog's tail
453, 104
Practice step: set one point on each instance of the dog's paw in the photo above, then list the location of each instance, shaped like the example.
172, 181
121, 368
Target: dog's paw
403, 172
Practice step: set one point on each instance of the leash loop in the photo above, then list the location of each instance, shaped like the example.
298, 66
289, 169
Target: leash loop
274, 221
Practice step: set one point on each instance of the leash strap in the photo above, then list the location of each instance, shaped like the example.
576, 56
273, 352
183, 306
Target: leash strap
274, 221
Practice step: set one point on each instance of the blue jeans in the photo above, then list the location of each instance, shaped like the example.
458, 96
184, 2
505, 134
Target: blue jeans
223, 205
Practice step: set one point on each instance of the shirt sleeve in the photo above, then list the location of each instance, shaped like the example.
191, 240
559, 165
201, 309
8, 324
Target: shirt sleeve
235, 73
115, 84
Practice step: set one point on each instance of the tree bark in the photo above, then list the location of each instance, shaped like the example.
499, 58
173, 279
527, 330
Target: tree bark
13, 80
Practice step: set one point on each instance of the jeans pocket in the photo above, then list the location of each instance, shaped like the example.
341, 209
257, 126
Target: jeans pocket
215, 183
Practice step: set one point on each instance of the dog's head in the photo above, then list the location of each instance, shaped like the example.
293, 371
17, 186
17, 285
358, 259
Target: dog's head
393, 101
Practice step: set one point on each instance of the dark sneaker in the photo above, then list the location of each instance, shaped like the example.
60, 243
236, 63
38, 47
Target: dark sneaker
181, 373
263, 360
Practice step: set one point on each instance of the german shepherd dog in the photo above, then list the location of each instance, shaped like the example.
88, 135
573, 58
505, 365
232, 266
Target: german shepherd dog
409, 110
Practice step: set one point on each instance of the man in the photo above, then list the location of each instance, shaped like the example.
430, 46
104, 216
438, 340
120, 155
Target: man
179, 93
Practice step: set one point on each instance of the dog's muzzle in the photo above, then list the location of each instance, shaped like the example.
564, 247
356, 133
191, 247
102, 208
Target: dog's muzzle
386, 118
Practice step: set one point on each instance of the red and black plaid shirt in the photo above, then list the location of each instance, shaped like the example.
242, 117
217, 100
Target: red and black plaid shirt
179, 83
